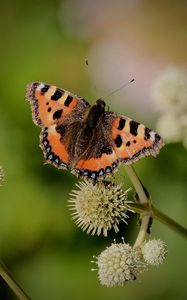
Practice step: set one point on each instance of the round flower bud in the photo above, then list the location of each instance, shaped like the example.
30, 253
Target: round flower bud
170, 90
154, 252
169, 128
99, 207
118, 264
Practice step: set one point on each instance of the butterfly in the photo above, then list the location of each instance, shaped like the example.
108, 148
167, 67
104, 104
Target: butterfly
88, 140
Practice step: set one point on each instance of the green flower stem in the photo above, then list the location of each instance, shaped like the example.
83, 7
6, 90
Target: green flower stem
138, 208
4, 273
137, 184
160, 216
143, 199
146, 210
169, 222
145, 220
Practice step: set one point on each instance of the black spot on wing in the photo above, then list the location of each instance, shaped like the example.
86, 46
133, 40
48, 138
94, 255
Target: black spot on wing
121, 124
147, 134
108, 170
45, 134
48, 149
57, 95
85, 102
68, 100
157, 137
57, 114
61, 129
118, 141
133, 127
44, 89
107, 149
128, 143
49, 109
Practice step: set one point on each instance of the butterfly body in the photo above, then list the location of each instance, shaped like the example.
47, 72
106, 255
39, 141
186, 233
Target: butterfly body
88, 140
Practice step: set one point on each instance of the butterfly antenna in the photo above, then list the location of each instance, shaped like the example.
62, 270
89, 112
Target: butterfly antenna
88, 66
119, 88
86, 62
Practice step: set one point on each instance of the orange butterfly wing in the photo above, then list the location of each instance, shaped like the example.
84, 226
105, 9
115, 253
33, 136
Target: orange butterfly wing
133, 141
128, 142
117, 138
97, 168
51, 105
53, 148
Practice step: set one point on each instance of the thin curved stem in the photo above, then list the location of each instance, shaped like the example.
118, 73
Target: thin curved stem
145, 220
143, 199
137, 184
14, 286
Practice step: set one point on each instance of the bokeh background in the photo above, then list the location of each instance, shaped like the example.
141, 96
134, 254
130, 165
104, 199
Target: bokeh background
49, 41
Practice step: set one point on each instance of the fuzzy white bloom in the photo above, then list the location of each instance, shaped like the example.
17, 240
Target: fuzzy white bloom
118, 264
169, 127
170, 95
154, 252
170, 90
99, 207
183, 120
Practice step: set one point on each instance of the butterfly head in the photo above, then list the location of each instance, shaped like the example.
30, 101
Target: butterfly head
101, 104
95, 113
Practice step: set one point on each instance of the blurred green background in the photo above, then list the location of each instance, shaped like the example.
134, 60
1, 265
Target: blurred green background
49, 41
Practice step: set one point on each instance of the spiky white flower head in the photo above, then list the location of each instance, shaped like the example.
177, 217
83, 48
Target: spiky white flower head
118, 264
154, 252
170, 90
2, 175
170, 128
99, 207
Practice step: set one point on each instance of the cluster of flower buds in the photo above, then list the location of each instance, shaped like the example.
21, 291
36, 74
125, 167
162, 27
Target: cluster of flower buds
121, 263
97, 208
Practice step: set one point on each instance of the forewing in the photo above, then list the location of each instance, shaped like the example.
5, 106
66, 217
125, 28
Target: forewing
50, 103
51, 108
133, 141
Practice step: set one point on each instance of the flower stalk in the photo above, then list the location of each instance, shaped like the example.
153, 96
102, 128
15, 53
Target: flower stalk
143, 199
14, 286
147, 210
